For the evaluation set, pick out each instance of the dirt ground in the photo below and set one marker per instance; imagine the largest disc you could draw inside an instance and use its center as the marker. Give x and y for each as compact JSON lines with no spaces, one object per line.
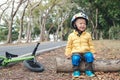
{"x":106,"y":49}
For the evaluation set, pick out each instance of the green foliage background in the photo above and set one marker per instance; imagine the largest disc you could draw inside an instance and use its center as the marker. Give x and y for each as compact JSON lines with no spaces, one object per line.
{"x":108,"y":18}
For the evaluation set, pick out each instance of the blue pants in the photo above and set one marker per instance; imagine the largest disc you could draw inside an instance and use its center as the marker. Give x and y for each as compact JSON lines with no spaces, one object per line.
{"x":86,"y":57}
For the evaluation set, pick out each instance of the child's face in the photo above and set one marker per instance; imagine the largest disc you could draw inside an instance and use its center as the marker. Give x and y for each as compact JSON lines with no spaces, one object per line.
{"x":80,"y":24}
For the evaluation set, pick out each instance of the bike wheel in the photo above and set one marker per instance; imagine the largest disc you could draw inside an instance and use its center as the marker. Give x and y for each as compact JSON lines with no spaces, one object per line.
{"x":33,"y":65}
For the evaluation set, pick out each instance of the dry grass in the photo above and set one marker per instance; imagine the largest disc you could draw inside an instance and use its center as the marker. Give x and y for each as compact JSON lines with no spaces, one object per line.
{"x":106,"y":48}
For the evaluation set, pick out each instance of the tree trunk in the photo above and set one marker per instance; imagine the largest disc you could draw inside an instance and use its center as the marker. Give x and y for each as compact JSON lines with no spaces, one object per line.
{"x":64,"y":65}
{"x":21,"y":24}
{"x":9,"y":37}
{"x":42,"y":30}
{"x":28,"y":36}
{"x":12,"y":15}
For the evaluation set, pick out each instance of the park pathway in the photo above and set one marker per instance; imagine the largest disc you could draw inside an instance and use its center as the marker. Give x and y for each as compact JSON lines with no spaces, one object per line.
{"x":27,"y":49}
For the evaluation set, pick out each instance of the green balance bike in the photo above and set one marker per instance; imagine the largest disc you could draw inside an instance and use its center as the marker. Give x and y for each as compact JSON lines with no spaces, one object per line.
{"x":29,"y":61}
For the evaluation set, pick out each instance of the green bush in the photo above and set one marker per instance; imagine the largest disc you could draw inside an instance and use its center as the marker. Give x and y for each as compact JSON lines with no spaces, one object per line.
{"x":114,"y":32}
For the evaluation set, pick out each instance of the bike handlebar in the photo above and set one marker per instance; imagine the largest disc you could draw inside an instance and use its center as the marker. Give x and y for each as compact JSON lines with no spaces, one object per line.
{"x":35,"y":49}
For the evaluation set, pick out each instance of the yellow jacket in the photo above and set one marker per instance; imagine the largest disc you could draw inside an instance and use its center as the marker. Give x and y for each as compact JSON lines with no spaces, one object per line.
{"x":80,"y":44}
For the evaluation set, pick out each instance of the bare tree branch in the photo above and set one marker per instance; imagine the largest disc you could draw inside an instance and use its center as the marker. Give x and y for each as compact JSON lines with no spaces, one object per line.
{"x":17,"y":7}
{"x":3,"y":10}
{"x":36,"y":5}
{"x":3,"y":3}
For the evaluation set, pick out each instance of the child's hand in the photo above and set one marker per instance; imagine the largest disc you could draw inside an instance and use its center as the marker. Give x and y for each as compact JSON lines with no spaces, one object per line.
{"x":96,"y":56}
{"x":68,"y":57}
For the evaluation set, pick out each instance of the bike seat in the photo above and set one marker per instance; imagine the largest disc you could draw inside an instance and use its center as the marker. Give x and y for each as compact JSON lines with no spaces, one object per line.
{"x":9,"y":55}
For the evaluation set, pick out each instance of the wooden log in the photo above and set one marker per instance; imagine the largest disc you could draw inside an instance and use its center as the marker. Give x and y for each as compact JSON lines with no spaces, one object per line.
{"x":108,"y":65}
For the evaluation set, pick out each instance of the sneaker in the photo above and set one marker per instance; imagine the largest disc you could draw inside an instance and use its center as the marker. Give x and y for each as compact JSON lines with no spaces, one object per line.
{"x":76,"y":74}
{"x":89,"y":73}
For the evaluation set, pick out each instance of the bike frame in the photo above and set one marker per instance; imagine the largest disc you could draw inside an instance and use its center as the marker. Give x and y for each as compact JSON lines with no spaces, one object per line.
{"x":5,"y":61}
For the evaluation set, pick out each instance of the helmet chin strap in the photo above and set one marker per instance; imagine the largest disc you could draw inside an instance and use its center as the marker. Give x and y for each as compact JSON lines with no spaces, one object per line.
{"x":79,"y":32}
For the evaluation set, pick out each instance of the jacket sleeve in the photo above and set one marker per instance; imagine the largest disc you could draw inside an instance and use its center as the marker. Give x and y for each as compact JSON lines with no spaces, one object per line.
{"x":92,"y":49}
{"x":68,"y":47}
